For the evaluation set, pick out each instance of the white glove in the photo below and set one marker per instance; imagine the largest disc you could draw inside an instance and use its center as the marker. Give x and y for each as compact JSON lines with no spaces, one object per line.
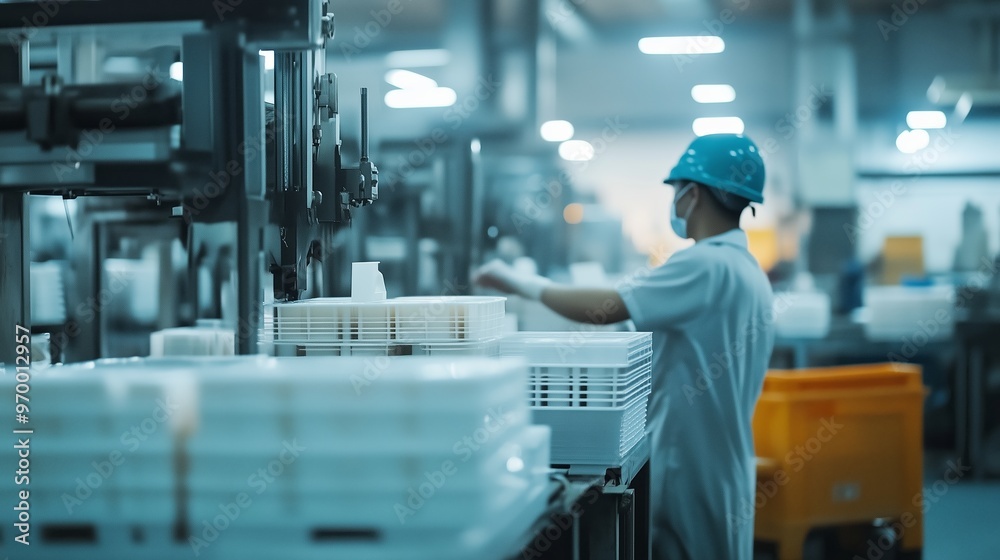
{"x":500,"y":276}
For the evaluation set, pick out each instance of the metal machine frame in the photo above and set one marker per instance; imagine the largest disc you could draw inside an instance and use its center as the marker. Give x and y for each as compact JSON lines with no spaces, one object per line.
{"x":202,"y":148}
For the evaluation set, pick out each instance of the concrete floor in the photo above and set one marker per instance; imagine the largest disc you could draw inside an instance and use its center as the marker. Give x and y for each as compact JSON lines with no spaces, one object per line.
{"x":964,"y":523}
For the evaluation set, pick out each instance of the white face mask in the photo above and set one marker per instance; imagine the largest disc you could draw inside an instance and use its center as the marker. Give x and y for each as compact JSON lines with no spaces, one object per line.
{"x":678,"y":224}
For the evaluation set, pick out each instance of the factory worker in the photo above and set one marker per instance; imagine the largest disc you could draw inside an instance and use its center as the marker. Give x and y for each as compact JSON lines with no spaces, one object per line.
{"x":708,"y":308}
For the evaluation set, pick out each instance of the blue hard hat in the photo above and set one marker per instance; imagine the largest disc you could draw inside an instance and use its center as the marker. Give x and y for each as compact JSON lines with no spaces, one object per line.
{"x":728,"y":162}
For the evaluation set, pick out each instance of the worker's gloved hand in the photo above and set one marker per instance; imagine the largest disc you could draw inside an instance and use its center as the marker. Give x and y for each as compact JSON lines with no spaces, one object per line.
{"x":501,"y":276}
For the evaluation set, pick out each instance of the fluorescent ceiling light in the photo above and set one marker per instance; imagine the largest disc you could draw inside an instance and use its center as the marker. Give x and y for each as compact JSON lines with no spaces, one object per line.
{"x":177,"y":71}
{"x":405,"y":79}
{"x":926,"y":119}
{"x":417,"y":98}
{"x":912,"y":141}
{"x":418,"y":58}
{"x":557,"y":131}
{"x":576,"y":150}
{"x":700,"y":44}
{"x":713,"y":93}
{"x":717,"y":125}
{"x":268,"y":59}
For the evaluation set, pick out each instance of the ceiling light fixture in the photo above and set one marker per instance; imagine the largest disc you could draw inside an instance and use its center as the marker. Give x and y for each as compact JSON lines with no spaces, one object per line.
{"x":717,"y":125}
{"x":699,"y":44}
{"x":419,"y":98}
{"x":406,"y":79}
{"x":713,"y":93}
{"x":557,"y":131}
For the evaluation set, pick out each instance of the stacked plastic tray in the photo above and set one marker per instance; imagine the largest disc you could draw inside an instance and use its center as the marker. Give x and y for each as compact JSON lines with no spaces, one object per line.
{"x":366,"y":458}
{"x":256,"y":457}
{"x":201,"y":340}
{"x":590,"y":388}
{"x":898,"y":313}
{"x":411,"y":326}
{"x":102,"y":459}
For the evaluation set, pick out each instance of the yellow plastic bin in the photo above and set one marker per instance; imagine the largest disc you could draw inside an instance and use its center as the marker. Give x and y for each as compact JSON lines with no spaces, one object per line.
{"x":839,"y":446}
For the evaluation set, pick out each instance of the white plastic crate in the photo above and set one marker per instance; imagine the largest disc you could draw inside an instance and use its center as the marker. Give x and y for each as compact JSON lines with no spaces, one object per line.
{"x":412,"y":319}
{"x":425,"y":431}
{"x":609,"y":436}
{"x":282,"y":538}
{"x":148,"y":501}
{"x":802,"y":315}
{"x":384,"y":385}
{"x":49,"y":504}
{"x":67,"y":468}
{"x":434,"y":398}
{"x":374,"y":507}
{"x":192,"y":341}
{"x":357,"y":403}
{"x":426,"y":319}
{"x":107,"y":540}
{"x":319,"y":488}
{"x":346,"y":470}
{"x":481,"y":521}
{"x":65,"y":392}
{"x":584,"y":370}
{"x":588,"y":349}
{"x":103,"y":402}
{"x":590,"y":388}
{"x":905,"y":312}
{"x":107,"y":399}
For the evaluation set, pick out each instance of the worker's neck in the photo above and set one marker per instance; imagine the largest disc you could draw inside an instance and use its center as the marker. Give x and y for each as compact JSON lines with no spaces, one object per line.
{"x":712,"y":227}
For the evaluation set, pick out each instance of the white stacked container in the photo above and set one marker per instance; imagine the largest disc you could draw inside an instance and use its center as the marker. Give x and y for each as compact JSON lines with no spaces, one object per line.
{"x":906,"y":313}
{"x":257,"y":457}
{"x":103,"y":474}
{"x":207,"y":338}
{"x":417,"y":326}
{"x":590,"y":388}
{"x":802,"y":315}
{"x":365,"y":458}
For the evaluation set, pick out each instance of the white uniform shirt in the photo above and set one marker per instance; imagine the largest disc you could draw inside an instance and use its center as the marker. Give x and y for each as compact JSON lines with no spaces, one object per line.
{"x":710,"y":310}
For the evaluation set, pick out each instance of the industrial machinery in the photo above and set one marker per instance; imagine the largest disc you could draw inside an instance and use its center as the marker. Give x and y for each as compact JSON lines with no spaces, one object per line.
{"x":189,"y":148}
{"x":193,"y":140}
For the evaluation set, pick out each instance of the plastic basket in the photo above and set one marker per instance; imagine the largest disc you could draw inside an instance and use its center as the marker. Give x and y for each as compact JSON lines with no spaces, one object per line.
{"x":192,"y":341}
{"x":416,"y":319}
{"x":590,"y":388}
{"x":608,"y":437}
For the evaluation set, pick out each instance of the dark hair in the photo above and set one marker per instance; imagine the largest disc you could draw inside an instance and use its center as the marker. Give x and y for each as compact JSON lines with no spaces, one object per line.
{"x":729,"y":204}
